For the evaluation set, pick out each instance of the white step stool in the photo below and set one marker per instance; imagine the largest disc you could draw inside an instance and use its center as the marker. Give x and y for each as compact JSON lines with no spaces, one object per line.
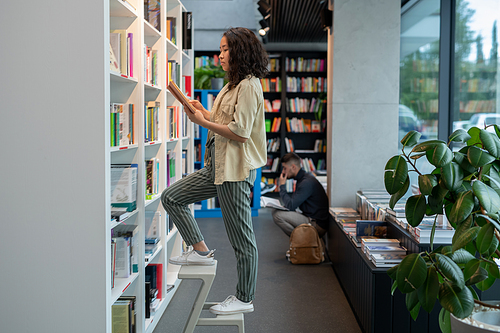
{"x":207,"y":275}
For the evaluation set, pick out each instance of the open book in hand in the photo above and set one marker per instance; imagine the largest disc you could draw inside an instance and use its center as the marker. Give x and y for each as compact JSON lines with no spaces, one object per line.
{"x":174,"y":89}
{"x":271,"y":203}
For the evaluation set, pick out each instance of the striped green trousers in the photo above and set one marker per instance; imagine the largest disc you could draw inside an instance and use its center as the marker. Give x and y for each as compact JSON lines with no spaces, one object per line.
{"x":234,"y":199}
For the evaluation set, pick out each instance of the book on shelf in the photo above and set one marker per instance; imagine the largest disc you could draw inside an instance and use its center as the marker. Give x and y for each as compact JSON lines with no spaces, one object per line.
{"x":124,"y":186}
{"x":152,"y":226}
{"x":158,"y":268}
{"x":122,"y":257}
{"x":121,"y":317}
{"x":304,"y":65}
{"x":152,"y":168}
{"x":271,"y":203}
{"x":187,"y":30}
{"x":172,"y":29}
{"x":379,"y":249}
{"x":130,"y":232}
{"x":114,"y":66}
{"x":152,"y":13}
{"x":119,"y":213}
{"x":177,"y":93}
{"x":113,"y":262}
{"x":371,"y":228}
{"x":151,"y":121}
{"x":122,"y":124}
{"x":386,"y":259}
{"x":131,"y":300}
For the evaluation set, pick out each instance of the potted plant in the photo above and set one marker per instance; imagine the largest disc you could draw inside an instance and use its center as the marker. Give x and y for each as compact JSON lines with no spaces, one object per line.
{"x":209,"y":77}
{"x":465,"y":186}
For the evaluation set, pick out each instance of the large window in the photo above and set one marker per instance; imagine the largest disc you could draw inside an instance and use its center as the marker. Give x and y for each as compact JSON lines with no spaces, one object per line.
{"x":476,"y":80}
{"x":419,"y":69}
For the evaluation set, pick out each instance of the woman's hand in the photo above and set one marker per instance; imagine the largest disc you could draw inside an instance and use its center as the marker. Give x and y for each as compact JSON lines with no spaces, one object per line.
{"x":198,"y":106}
{"x":197,"y":117}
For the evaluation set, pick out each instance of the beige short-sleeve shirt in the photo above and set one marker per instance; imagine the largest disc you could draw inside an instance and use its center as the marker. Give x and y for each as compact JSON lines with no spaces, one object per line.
{"x":242,"y":110}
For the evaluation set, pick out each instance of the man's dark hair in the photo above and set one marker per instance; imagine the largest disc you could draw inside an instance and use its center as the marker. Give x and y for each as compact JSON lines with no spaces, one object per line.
{"x":247,"y":56}
{"x":291,"y":158}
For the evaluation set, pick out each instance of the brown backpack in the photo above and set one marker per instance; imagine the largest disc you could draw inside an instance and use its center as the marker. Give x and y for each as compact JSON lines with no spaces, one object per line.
{"x":305,"y":246}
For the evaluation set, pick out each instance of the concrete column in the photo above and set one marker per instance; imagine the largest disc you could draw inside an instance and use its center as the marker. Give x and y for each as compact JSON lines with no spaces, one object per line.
{"x":363,"y":60}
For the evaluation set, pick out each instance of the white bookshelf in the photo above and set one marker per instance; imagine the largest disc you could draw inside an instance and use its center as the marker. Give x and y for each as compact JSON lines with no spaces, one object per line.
{"x":55,"y":130}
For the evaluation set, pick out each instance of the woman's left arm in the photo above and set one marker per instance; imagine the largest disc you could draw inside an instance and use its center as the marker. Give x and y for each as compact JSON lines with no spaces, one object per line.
{"x":198,"y":118}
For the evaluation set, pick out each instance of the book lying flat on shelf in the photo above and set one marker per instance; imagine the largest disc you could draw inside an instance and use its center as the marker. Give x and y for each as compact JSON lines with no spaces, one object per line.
{"x":174,"y":89}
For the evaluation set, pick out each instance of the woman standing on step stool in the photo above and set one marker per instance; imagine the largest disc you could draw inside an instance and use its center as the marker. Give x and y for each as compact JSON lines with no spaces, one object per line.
{"x":235,"y":148}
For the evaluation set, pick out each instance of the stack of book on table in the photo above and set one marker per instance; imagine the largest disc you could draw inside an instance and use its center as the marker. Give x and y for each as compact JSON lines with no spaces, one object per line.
{"x":346,"y":218}
{"x":383,"y":252}
{"x":443,"y":234}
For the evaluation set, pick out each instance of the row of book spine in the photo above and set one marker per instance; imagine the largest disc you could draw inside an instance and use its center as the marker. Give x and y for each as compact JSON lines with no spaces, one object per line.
{"x":476,"y":106}
{"x":271,"y":84}
{"x":305,"y":65}
{"x":273,"y":145}
{"x":306,"y":84}
{"x":304,"y":105}
{"x":273,"y":106}
{"x":319,"y":147}
{"x":122,"y":123}
{"x":274,"y":125}
{"x":121,"y":51}
{"x":151,"y":65}
{"x":302,"y":125}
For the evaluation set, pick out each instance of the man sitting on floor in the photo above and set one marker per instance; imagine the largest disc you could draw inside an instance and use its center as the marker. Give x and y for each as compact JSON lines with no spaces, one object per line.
{"x":309,"y":196}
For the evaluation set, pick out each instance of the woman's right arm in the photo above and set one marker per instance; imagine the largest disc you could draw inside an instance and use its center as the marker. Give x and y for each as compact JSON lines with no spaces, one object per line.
{"x":198,"y":106}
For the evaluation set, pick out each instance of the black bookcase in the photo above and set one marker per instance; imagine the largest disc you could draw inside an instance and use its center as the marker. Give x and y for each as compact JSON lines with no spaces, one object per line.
{"x":368,"y":288}
{"x":303,"y":142}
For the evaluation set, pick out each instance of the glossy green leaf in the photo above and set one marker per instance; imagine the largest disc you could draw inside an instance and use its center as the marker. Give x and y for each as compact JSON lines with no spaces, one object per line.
{"x":452,"y":176}
{"x":471,"y":268}
{"x":428,"y":292}
{"x":411,"y":273}
{"x":473,"y":292}
{"x":490,"y":142}
{"x":459,"y":135}
{"x":461,"y":256}
{"x":493,"y":178}
{"x":411,"y":138}
{"x":486,"y":283}
{"x":444,"y":321}
{"x":426,"y":183}
{"x":415,"y":311}
{"x":497,"y":130}
{"x":493,"y":247}
{"x":396,"y":173}
{"x":411,"y":300}
{"x":493,"y":270}
{"x":427,"y":145}
{"x":489,"y":199}
{"x":415,"y":209}
{"x":459,"y":302}
{"x":483,"y":219}
{"x":394,"y":287}
{"x":478,"y":276}
{"x":440,"y":155}
{"x":474,"y":133}
{"x":485,"y":238}
{"x":393,"y":272}
{"x":417,"y":156}
{"x":465,"y":238}
{"x":451,"y":270}
{"x":463,"y":161}
{"x":478,"y":157}
{"x":399,"y":194}
{"x":462,"y":227}
{"x":462,"y":208}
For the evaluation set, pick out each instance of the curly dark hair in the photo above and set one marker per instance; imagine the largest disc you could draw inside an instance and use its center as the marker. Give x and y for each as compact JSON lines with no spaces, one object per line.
{"x":247,"y":56}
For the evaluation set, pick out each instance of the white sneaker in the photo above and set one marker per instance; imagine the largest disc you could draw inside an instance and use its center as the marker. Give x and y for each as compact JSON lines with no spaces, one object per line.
{"x":193,"y":258}
{"x":231,"y":305}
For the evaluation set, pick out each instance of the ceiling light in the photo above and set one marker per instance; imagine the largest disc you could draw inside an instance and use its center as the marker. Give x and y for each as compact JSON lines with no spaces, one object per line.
{"x":264,"y":27}
{"x":264,"y":9}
